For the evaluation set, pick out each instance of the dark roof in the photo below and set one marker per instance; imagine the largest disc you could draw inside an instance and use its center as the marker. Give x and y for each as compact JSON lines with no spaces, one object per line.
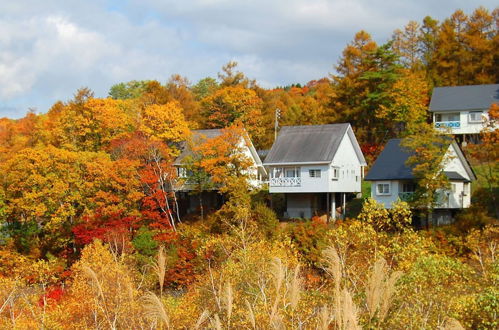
{"x":390,"y":164}
{"x":309,"y":143}
{"x":454,"y":176}
{"x":474,"y":97}
{"x":198,"y":136}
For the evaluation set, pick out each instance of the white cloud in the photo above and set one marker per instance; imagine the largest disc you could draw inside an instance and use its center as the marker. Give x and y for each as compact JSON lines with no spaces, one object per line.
{"x":50,"y":48}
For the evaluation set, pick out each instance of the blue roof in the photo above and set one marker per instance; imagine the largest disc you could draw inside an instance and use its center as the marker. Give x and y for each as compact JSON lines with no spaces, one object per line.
{"x":390,"y":164}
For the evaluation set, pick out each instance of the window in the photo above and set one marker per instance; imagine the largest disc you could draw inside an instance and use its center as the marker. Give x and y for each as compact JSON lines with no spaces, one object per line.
{"x":285,"y":172}
{"x":314,"y":173}
{"x":408,"y":187}
{"x":438,"y":117}
{"x":292,"y":172}
{"x":452,"y":117}
{"x":453,"y":187}
{"x":383,"y":189}
{"x":335,"y":173}
{"x":181,"y":172}
{"x":475,"y":117}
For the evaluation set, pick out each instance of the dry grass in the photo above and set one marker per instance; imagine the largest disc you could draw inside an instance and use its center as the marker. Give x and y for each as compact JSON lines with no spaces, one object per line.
{"x":160,"y":268}
{"x":202,"y":319}
{"x":380,"y":289}
{"x":154,"y":308}
{"x":295,"y":288}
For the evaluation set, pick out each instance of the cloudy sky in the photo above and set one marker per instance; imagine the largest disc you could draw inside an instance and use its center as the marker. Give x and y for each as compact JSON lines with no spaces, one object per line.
{"x":50,"y":48}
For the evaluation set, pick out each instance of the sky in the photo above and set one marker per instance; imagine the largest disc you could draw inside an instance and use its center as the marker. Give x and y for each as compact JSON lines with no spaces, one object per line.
{"x":50,"y":48}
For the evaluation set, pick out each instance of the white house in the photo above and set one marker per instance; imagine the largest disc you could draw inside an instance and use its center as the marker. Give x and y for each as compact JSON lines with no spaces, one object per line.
{"x":315,"y":166}
{"x":257,"y":172}
{"x":462,"y":110}
{"x":391,"y":179}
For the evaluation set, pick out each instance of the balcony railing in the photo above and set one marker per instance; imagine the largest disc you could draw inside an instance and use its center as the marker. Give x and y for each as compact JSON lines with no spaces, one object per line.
{"x":450,"y":124}
{"x":406,"y":196}
{"x":285,"y":182}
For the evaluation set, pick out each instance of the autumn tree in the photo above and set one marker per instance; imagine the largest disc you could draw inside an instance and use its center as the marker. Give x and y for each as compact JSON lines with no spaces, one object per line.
{"x":487,"y":155}
{"x":89,"y":124}
{"x":230,"y":77}
{"x":48,"y":189}
{"x":406,"y":45}
{"x":407,"y":107}
{"x":158,"y":178}
{"x":164,"y":123}
{"x":234,"y":104}
{"x":180,"y":90}
{"x":428,"y":158}
{"x":223,"y":159}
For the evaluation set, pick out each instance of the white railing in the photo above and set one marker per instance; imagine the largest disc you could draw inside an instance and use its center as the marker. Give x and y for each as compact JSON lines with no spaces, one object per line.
{"x":285,"y":182}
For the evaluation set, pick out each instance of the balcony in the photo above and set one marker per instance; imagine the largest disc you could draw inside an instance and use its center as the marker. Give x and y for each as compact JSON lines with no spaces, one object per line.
{"x":449,"y":124}
{"x":406,"y":196}
{"x":285,"y":182}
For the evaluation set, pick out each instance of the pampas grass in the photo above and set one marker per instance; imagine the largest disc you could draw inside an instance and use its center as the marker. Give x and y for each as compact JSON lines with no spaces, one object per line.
{"x":160,"y":268}
{"x":155,"y":309}
{"x":380,"y":289}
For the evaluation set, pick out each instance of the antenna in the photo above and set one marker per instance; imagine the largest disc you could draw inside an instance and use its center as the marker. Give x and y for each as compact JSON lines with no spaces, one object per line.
{"x":276,"y":122}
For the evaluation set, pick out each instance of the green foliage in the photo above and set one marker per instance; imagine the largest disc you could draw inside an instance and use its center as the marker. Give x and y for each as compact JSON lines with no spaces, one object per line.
{"x":144,"y":243}
{"x":129,"y":90}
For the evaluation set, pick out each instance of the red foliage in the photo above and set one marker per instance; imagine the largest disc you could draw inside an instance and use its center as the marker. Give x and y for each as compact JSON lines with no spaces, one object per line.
{"x":184,"y":271}
{"x":52,"y":296}
{"x":104,"y":227}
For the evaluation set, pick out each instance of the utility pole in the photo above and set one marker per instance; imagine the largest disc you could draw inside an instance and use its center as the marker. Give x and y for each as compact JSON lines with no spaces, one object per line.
{"x":276,"y":121}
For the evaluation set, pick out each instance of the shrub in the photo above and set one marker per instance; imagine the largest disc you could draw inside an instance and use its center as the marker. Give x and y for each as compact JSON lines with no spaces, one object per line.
{"x":265,"y":219}
{"x":398,"y":218}
{"x":144,"y":242}
{"x":310,"y":239}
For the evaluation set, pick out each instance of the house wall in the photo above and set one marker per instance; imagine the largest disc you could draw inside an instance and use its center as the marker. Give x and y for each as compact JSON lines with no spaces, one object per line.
{"x":459,"y":196}
{"x":308,"y":184}
{"x":350,"y":170}
{"x":386,"y":200}
{"x":253,"y":171}
{"x":466,"y":127}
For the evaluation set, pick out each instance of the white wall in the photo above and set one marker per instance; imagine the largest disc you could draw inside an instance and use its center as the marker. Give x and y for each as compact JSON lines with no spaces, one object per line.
{"x":456,"y":198}
{"x":386,"y":200}
{"x":346,"y":160}
{"x":466,"y":127}
{"x":308,"y":184}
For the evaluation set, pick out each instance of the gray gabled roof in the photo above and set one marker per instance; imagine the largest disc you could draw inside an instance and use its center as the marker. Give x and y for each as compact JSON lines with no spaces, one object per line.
{"x":309,"y":144}
{"x":391,"y":164}
{"x":457,"y":98}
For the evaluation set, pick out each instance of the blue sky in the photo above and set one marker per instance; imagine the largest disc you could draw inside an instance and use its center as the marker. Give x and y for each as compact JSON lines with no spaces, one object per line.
{"x":49,"y":49}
